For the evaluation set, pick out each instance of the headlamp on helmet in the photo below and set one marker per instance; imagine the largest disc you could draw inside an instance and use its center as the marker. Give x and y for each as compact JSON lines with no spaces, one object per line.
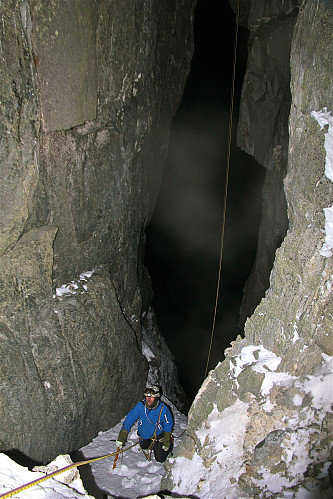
{"x":152,"y":391}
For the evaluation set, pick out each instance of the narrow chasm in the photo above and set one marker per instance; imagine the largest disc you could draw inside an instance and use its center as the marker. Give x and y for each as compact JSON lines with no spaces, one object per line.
{"x":184,"y":236}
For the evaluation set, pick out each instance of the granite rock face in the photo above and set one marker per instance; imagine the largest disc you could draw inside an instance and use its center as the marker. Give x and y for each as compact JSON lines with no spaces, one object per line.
{"x":88,"y":89}
{"x":261,"y":424}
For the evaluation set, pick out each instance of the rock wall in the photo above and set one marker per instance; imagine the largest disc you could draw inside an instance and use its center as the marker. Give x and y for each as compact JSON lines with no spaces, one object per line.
{"x":88,"y":89}
{"x":263,"y":128}
{"x":261,"y":424}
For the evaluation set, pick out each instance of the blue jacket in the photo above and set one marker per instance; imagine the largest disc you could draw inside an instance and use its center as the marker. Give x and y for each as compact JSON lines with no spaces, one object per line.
{"x":149,"y":419}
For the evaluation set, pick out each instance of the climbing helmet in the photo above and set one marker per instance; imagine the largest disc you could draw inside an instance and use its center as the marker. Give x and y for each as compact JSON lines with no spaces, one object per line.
{"x":152,"y":391}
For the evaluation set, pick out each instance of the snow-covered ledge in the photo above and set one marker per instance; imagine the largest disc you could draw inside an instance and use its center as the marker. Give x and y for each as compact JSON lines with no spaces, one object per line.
{"x":66,"y":485}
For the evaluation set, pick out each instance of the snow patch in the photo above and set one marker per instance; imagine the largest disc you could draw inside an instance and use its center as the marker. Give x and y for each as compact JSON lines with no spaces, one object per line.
{"x":321,"y":386}
{"x":327,"y":248}
{"x":262,"y":360}
{"x":75,"y":287}
{"x":281,"y":378}
{"x":296,"y":335}
{"x":13,"y":475}
{"x":223,"y":437}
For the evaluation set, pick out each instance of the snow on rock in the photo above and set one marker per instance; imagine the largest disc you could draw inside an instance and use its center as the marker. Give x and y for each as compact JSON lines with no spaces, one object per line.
{"x":262,"y":433}
{"x":325,"y":118}
{"x":217,"y":467}
{"x":74,"y":287}
{"x":257,"y":431}
{"x":59,"y":462}
{"x":66,"y":485}
{"x":259,"y":357}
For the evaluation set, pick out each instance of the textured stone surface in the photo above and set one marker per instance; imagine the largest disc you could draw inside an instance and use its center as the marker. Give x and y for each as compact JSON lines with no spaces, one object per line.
{"x":276,"y":441}
{"x":302,"y":276}
{"x":19,"y":125}
{"x":68,"y":371}
{"x":88,"y":90}
{"x":250,"y":382}
{"x":263,"y":130}
{"x":162,"y":367}
{"x":64,"y":50}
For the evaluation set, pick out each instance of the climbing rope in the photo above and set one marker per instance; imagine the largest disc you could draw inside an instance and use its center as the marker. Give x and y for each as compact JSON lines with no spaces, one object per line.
{"x":61,"y":470}
{"x":147,"y":452}
{"x":225,"y":185}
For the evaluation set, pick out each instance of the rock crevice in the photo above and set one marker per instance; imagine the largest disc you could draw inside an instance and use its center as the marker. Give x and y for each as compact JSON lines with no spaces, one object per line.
{"x":264,"y":415}
{"x":88,"y":90}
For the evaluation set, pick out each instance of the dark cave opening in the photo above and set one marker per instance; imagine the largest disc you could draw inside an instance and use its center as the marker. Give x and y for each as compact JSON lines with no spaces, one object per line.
{"x":184,"y":235}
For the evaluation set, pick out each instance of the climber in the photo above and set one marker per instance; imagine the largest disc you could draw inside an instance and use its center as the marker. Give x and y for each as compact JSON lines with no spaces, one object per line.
{"x":155,"y":423}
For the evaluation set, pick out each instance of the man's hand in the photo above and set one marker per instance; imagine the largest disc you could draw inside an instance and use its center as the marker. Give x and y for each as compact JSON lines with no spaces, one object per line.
{"x":122,"y":437}
{"x":166,"y":441}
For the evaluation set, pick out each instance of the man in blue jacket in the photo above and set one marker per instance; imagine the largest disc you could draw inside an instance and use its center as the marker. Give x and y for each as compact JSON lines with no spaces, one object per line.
{"x":155,"y":423}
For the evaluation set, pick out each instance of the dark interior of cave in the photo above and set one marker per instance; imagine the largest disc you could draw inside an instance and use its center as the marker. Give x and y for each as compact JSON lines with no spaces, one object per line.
{"x":184,"y":236}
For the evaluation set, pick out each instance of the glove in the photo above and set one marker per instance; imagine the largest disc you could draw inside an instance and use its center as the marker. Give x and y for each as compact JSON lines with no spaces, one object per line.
{"x":122,"y":437}
{"x":166,"y":441}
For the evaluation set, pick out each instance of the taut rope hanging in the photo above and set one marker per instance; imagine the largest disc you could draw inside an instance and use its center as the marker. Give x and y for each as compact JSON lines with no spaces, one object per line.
{"x":225,"y":186}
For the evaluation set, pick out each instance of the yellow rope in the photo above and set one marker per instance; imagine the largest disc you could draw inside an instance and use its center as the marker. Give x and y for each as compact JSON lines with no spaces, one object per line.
{"x":225,"y":186}
{"x":58,"y":472}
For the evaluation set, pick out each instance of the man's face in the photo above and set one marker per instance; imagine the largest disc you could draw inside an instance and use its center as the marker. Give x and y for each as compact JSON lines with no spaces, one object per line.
{"x":150,"y":401}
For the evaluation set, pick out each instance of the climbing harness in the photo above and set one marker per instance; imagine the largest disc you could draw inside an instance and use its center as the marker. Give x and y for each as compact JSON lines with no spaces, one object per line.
{"x":147,"y":452}
{"x":58,"y":472}
{"x":226,"y":185}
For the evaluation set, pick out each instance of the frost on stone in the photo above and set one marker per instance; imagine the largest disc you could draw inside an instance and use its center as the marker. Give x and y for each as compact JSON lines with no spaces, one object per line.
{"x":325,"y":118}
{"x":296,"y":335}
{"x":261,"y":359}
{"x":75,"y":287}
{"x":327,"y":248}
{"x":221,"y":439}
